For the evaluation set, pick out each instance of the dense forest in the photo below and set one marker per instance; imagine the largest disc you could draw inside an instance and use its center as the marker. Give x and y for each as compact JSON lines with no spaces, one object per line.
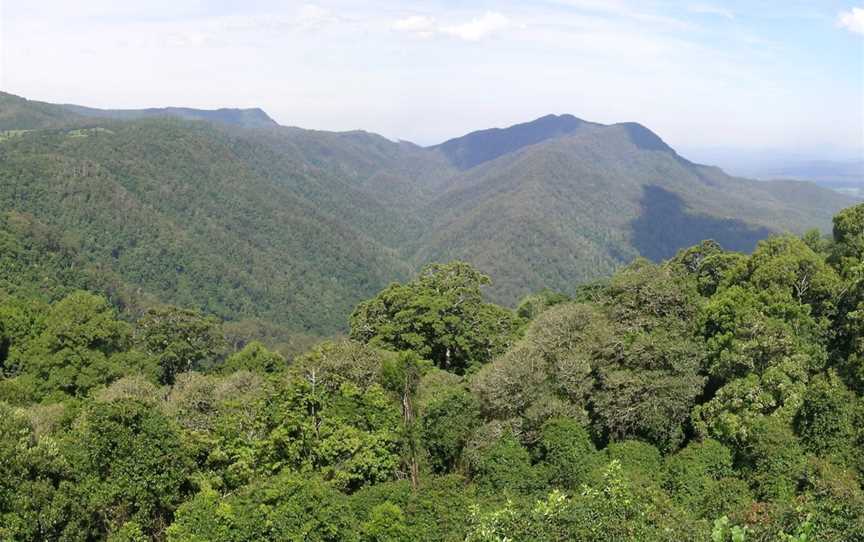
{"x":264,"y":225}
{"x":713,"y":396}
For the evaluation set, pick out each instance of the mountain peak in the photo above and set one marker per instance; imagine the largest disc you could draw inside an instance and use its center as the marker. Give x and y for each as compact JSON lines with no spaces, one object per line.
{"x":477,"y":147}
{"x":644,"y":138}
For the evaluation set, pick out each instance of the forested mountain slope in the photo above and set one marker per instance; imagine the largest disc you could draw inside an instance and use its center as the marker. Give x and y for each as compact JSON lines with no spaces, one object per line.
{"x":227,"y":212}
{"x":477,"y":147}
{"x":581,"y":204}
{"x":246,"y":118}
{"x":175,"y":209}
{"x":714,"y":396}
{"x":18,"y":113}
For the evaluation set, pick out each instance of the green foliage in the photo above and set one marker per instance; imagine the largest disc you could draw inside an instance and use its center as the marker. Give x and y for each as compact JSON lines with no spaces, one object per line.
{"x":254,"y":357}
{"x":786,"y":263}
{"x":566,"y":452}
{"x":503,"y":464}
{"x":284,"y":507}
{"x":766,"y":335}
{"x":723,"y":531}
{"x":386,"y":523}
{"x":129,"y":532}
{"x":533,"y":305}
{"x":629,"y":362}
{"x":446,"y":425}
{"x":131,"y":464}
{"x":640,"y":460}
{"x":334,"y":363}
{"x":848,"y":259}
{"x":773,"y":459}
{"x":710,"y":386}
{"x":440,"y":315}
{"x":648,"y":371}
{"x":702,"y":478}
{"x":608,"y":512}
{"x":849,"y":236}
{"x":181,"y":339}
{"x":77,"y":347}
{"x":749,"y":332}
{"x":828,"y":417}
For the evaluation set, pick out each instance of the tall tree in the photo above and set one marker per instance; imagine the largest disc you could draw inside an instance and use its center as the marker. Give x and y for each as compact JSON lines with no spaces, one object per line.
{"x":182,"y":339}
{"x":440,"y":315}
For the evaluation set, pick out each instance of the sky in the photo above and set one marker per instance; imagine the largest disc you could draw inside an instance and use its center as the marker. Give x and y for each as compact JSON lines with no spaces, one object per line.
{"x":736,"y":74}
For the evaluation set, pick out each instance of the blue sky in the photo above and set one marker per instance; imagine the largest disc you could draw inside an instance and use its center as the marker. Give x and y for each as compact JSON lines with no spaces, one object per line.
{"x":745,"y":74}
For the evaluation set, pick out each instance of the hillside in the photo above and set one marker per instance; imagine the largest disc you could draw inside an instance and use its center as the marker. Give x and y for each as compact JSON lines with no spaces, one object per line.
{"x":575,"y":207}
{"x":713,"y":396}
{"x":245,"y":118}
{"x":180,"y":211}
{"x":243,"y":218}
{"x":477,"y":147}
{"x":18,"y":113}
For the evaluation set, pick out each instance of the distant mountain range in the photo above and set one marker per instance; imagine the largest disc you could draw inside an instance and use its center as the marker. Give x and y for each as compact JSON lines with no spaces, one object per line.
{"x":237,"y":215}
{"x":246,"y":118}
{"x":841,"y":170}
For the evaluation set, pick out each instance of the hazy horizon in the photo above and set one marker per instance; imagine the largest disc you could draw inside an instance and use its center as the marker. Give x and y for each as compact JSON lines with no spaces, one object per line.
{"x":784,"y":76}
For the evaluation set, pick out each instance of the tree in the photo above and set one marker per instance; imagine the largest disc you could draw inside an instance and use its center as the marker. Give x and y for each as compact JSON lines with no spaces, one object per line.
{"x":566,"y":452}
{"x":610,"y":511}
{"x":130,"y":465}
{"x":446,"y":425}
{"x":182,"y":340}
{"x":749,"y":331}
{"x":440,"y":315}
{"x":848,"y":237}
{"x":773,"y":459}
{"x":401,"y":375}
{"x":503,"y":464}
{"x":532,"y":306}
{"x":701,"y":477}
{"x":333,"y":363}
{"x":827,"y":419}
{"x":848,"y":259}
{"x":762,"y":348}
{"x":288,"y":506}
{"x":255,"y":357}
{"x":786,"y":263}
{"x":647,"y":366}
{"x":349,"y":434}
{"x":386,"y":523}
{"x":76,"y":349}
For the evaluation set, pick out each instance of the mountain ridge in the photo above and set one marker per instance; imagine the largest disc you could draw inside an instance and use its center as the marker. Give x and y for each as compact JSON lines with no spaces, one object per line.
{"x":295,"y":226}
{"x":254,"y":117}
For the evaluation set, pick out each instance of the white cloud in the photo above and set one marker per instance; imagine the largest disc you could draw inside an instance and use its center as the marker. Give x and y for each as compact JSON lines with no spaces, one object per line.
{"x":417,"y":24}
{"x":311,"y":16}
{"x":474,"y":30}
{"x":307,"y":62}
{"x":708,"y":9}
{"x":624,"y":10}
{"x":480,"y":27}
{"x":852,"y":20}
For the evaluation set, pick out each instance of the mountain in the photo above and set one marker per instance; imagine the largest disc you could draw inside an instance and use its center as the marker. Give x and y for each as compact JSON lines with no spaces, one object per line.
{"x":196,"y":215}
{"x":246,"y":219}
{"x":843,"y":176}
{"x":17,"y":113}
{"x":477,"y":147}
{"x":245,"y":118}
{"x":581,"y":204}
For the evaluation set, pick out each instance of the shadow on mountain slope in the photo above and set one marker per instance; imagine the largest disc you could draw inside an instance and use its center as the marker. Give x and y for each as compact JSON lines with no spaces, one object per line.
{"x":664,"y":227}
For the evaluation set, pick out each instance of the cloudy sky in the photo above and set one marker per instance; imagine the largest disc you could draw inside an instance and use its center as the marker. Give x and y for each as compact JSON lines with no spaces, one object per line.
{"x":750,"y":74}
